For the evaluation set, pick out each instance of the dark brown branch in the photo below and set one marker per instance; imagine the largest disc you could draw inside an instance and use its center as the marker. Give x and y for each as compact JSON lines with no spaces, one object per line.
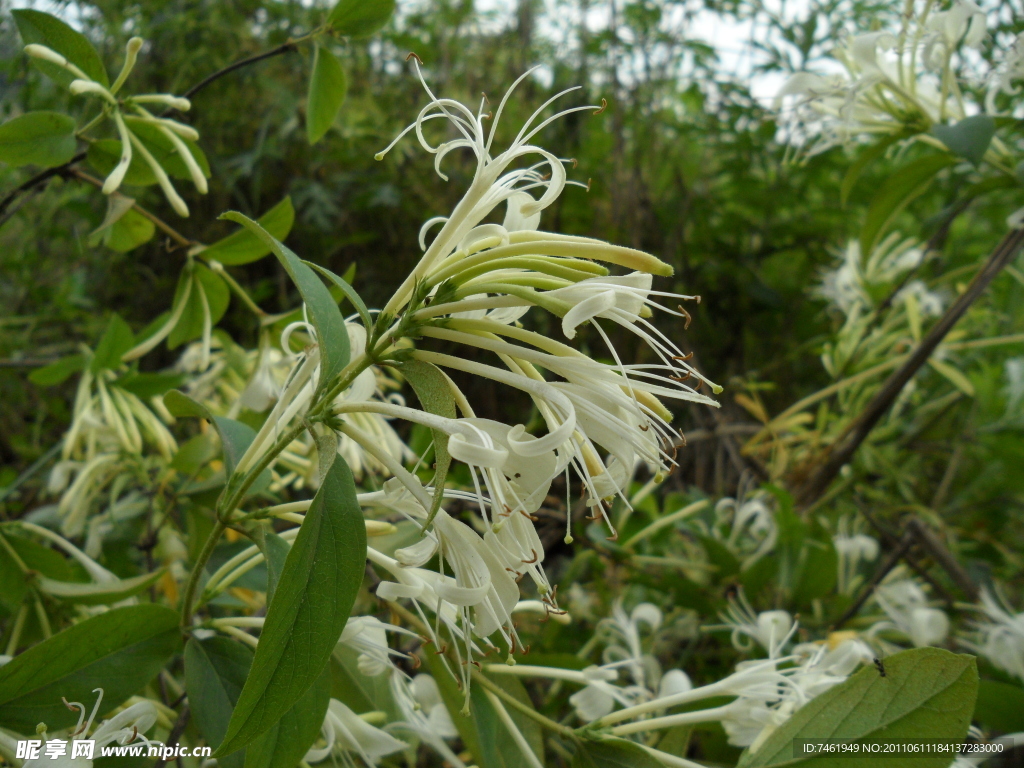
{"x":842,"y":450}
{"x":175,"y":734}
{"x":37,"y":180}
{"x":941,"y":555}
{"x":890,"y":562}
{"x":283,"y":48}
{"x":892,"y":540}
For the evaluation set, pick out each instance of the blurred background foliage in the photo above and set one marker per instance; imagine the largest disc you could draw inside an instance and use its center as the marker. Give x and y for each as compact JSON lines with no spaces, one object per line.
{"x":687,"y":162}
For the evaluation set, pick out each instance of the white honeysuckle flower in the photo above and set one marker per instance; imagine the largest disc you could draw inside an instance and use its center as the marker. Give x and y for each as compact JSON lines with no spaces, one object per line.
{"x":852,"y":547}
{"x":772,"y":630}
{"x":963,"y":21}
{"x":367,"y":636}
{"x":891,"y":82}
{"x":344,"y":731}
{"x":474,"y":280}
{"x":1010,"y":69}
{"x":905,"y":604}
{"x":746,"y":526}
{"x":1000,"y":637}
{"x":123,"y":728}
{"x":929,"y":303}
{"x":424,"y":714}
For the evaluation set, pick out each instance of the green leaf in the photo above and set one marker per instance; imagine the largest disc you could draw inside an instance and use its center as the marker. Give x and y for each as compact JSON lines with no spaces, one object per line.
{"x":129,"y":232}
{"x":360,"y":18}
{"x":969,"y":138}
{"x":953,"y":375}
{"x":120,"y":651}
{"x":182,"y":406}
{"x":117,"y":339}
{"x":330,"y":327}
{"x":1000,"y":706}
{"x":435,"y":395}
{"x":327,"y":86}
{"x":359,"y":692}
{"x":311,"y":604}
{"x":275,"y":552}
{"x":97,"y":594}
{"x":498,"y":748}
{"x":104,"y":155}
{"x":453,"y":698}
{"x":205,"y":282}
{"x":612,"y":753}
{"x":58,"y":371}
{"x":895,"y":194}
{"x":164,"y":151}
{"x":242,"y":246}
{"x":864,"y":159}
{"x":42,"y":28}
{"x":235,"y":437}
{"x":926,"y":693}
{"x":147,"y":385}
{"x":46,"y":139}
{"x":344,"y":284}
{"x":215,"y":672}
{"x":287,"y":742}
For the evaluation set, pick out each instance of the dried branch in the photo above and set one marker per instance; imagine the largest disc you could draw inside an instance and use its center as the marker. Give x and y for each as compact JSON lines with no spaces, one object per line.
{"x":841,"y":451}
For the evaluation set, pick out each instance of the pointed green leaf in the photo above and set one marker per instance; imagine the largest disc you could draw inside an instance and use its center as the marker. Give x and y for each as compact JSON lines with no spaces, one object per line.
{"x":218,"y":296}
{"x":235,"y":437}
{"x":435,"y":395}
{"x":612,"y":753}
{"x":243,"y":246}
{"x":97,"y":594}
{"x":44,"y":29}
{"x":117,"y":339}
{"x":498,"y":748}
{"x":58,"y":371}
{"x":360,"y":18}
{"x":322,"y":573}
{"x":327,"y":86}
{"x":332,"y":334}
{"x":129,"y":232}
{"x":284,"y":745}
{"x":119,"y":651}
{"x":46,"y":139}
{"x":1000,"y":706}
{"x":969,"y":138}
{"x":864,"y":159}
{"x":927,"y":693}
{"x":895,"y":194}
{"x":147,"y":385}
{"x":344,"y":284}
{"x":215,"y":672}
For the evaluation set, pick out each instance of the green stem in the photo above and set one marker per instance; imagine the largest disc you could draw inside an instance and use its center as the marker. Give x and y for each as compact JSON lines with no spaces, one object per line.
{"x":525,"y":709}
{"x":226,"y":508}
{"x":239,"y":291}
{"x":193,"y":579}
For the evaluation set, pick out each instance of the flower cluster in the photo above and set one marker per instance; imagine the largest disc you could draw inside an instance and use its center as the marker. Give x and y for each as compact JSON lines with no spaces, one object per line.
{"x":140,"y":132}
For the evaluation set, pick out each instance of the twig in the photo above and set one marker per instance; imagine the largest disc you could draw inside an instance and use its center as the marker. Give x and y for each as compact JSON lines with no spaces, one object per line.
{"x":175,"y":734}
{"x":288,"y":47}
{"x":39,"y":178}
{"x":162,"y":225}
{"x":840,"y":452}
{"x":890,"y":562}
{"x":891,"y":540}
{"x":941,"y":555}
